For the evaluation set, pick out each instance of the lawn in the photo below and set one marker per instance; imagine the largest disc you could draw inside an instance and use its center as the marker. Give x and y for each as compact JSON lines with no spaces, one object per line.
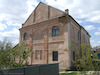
{"x":73,"y":73}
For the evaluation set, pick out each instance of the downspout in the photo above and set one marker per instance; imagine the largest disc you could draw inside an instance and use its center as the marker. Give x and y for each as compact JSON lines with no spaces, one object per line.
{"x":80,"y":34}
{"x":47,"y":47}
{"x":69,"y":41}
{"x":69,"y":49}
{"x":47,"y":36}
{"x":32,"y":47}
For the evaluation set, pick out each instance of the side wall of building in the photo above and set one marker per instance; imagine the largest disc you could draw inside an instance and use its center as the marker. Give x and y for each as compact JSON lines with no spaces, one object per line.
{"x":43,"y":44}
{"x":78,"y":35}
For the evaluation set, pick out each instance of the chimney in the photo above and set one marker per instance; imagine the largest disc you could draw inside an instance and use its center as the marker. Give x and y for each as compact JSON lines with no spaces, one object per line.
{"x":67,"y":11}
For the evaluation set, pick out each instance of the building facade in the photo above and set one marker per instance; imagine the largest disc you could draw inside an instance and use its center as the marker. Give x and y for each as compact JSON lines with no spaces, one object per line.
{"x":48,"y":32}
{"x":96,"y":52}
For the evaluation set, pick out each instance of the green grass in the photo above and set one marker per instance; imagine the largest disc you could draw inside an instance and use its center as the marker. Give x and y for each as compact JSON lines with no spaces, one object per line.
{"x":73,"y":73}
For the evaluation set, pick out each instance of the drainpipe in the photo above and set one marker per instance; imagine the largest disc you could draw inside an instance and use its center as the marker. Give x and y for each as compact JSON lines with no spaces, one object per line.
{"x":80,"y":35}
{"x":32,"y":47}
{"x":67,"y":12}
{"x":47,"y":47}
{"x":47,"y":36}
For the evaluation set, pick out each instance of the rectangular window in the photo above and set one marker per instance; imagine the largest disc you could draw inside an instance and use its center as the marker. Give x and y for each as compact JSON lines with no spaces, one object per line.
{"x":40,"y":54}
{"x":74,"y":55}
{"x":98,"y":55}
{"x":55,"y":55}
{"x":83,"y":38}
{"x":78,"y":35}
{"x":36,"y":54}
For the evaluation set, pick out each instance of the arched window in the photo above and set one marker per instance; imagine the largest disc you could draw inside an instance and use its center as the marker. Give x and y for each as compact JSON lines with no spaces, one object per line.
{"x":25,"y":36}
{"x":55,"y":31}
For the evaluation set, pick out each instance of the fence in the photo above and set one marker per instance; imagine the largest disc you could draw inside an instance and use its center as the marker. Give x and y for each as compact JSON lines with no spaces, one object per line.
{"x":46,"y":69}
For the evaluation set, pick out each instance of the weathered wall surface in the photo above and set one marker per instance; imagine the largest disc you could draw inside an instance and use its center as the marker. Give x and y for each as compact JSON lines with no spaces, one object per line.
{"x":40,"y":40}
{"x":41,"y":13}
{"x":41,"y":36}
{"x":78,"y":35}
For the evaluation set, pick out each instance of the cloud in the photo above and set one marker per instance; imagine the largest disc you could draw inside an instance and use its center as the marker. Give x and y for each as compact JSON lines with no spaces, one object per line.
{"x":12,"y":35}
{"x":98,"y":41}
{"x":31,"y":5}
{"x":83,"y":9}
{"x":99,"y":28}
{"x":16,"y":11}
{"x":93,"y":44}
{"x":89,"y":27}
{"x":2,"y":26}
{"x":92,"y":41}
{"x":9,"y":23}
{"x":79,"y":21}
{"x":97,"y":33}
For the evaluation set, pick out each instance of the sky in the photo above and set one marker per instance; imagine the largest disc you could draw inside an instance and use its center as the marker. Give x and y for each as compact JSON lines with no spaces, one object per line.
{"x":13,"y":13}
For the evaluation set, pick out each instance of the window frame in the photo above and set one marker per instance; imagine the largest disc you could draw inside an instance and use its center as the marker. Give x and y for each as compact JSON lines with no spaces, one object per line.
{"x":55,"y":56}
{"x":55,"y":31}
{"x":25,"y":36}
{"x":36,"y":54}
{"x":74,"y":55}
{"x":84,"y":38}
{"x":40,"y":54}
{"x":78,"y":35}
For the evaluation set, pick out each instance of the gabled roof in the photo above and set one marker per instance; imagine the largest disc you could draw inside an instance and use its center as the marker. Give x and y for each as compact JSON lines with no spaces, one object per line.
{"x":47,"y":9}
{"x":42,"y":10}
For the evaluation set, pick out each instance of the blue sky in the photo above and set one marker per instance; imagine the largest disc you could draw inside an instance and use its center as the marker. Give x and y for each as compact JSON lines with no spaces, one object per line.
{"x":14,"y":12}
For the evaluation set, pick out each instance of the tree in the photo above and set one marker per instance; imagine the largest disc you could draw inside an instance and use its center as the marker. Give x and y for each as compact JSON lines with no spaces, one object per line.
{"x":9,"y":54}
{"x":84,"y":61}
{"x":5,"y":49}
{"x":19,"y":55}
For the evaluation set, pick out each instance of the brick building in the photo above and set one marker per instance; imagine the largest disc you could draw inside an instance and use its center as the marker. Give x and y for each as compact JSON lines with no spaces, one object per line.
{"x":48,"y":32}
{"x":96,"y":51}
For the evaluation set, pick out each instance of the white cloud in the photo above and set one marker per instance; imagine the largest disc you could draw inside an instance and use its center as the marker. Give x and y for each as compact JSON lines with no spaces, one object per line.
{"x":9,"y":23}
{"x":12,"y":35}
{"x":93,"y":44}
{"x":2,"y":26}
{"x":89,"y":27}
{"x":83,"y":9}
{"x":79,"y":21}
{"x":16,"y":11}
{"x":99,"y":28}
{"x":97,"y":33}
{"x":98,"y":41}
{"x":92,"y":41}
{"x":31,"y":5}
